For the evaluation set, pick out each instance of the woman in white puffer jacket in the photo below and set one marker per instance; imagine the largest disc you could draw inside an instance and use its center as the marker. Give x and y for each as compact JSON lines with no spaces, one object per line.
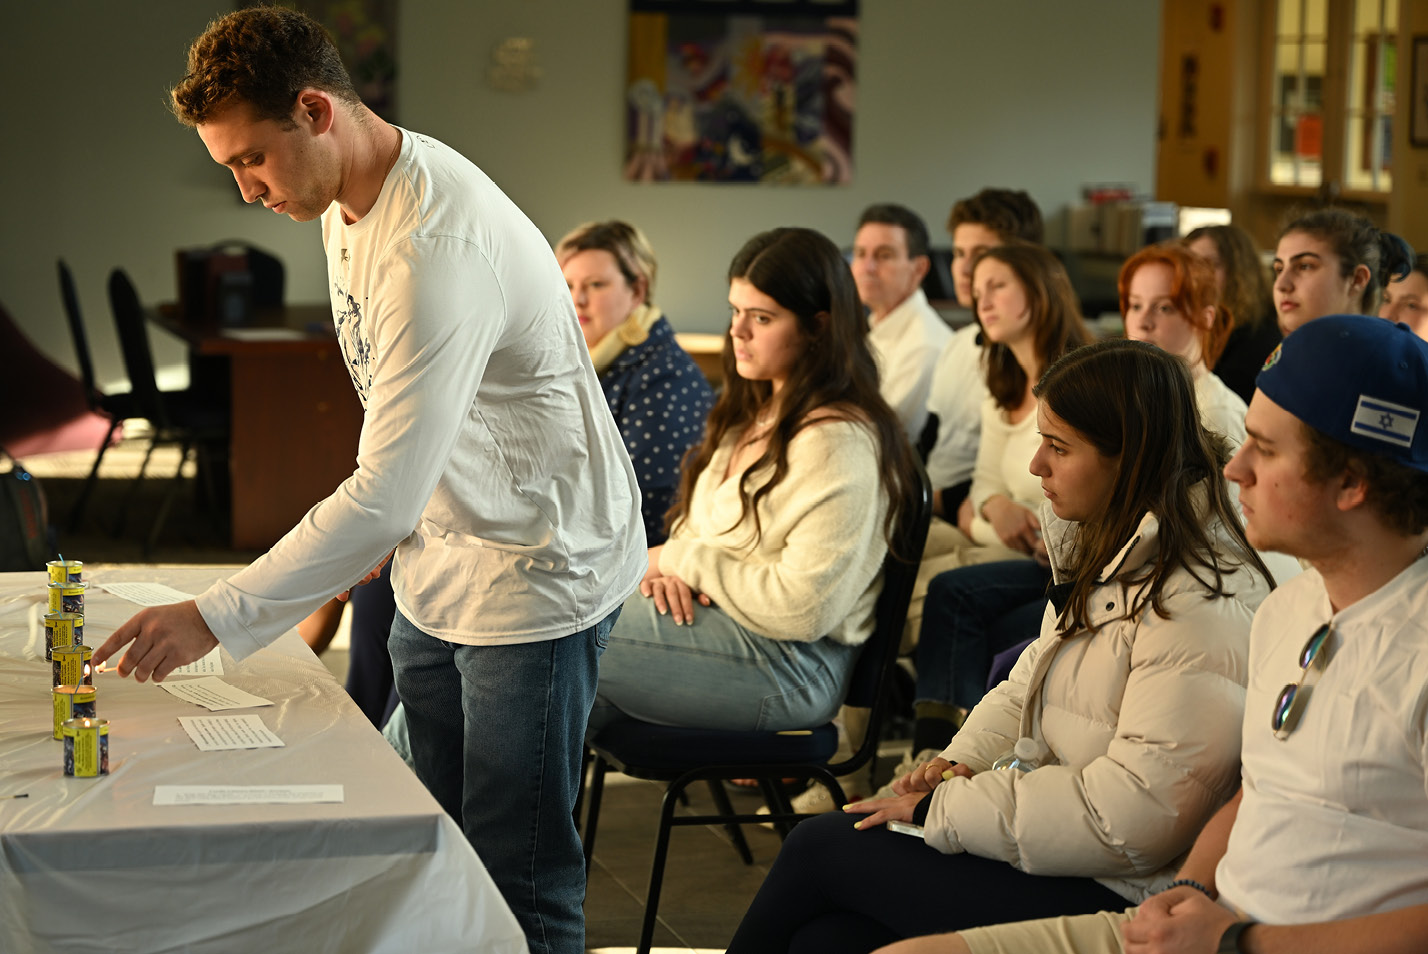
{"x":1131,"y":698}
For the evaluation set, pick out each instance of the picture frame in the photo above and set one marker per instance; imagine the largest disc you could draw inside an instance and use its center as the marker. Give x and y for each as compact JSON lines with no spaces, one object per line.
{"x":1418,"y":91}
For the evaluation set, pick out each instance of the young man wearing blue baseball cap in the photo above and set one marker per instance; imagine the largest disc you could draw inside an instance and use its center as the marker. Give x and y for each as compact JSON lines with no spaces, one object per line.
{"x":1323,"y":849}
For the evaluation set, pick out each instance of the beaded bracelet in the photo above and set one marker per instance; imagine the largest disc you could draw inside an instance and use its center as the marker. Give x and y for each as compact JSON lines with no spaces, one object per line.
{"x":1190,"y":883}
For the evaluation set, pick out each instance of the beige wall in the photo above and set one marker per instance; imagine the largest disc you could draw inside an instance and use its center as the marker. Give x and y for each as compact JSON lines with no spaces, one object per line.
{"x":953,"y":95}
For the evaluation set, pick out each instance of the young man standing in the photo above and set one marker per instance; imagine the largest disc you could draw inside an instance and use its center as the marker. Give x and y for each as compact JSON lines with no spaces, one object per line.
{"x":890,"y":259}
{"x":488,"y":459}
{"x":1323,"y":848}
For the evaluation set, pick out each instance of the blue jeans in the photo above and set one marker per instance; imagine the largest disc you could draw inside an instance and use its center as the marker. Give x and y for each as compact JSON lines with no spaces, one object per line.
{"x":715,"y":674}
{"x":497,"y":736}
{"x":971,"y":614}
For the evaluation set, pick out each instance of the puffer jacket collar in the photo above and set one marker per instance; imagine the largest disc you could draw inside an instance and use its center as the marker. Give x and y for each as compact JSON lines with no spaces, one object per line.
{"x":1112,"y":599}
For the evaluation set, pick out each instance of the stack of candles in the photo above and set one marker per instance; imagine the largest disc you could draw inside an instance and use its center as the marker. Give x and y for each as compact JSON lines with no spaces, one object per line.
{"x":86,"y":737}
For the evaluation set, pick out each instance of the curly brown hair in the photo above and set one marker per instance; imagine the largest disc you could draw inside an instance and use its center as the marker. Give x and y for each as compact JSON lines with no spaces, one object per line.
{"x":263,"y":56}
{"x":1011,"y":214}
{"x":1397,"y":493}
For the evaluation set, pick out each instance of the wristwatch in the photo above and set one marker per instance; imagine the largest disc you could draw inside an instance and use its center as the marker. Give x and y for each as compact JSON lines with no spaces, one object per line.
{"x":1230,"y":940}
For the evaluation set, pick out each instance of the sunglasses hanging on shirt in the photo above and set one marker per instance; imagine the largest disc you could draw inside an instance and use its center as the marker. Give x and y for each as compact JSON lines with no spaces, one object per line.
{"x":1313,"y":659}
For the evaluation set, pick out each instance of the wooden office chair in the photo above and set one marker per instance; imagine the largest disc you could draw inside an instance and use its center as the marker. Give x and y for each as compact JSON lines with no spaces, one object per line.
{"x":682,"y":756}
{"x":177,"y":417}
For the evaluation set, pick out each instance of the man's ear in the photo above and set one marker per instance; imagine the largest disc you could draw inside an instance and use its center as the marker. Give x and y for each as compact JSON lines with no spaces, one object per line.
{"x":920,"y":265}
{"x":1353,"y":488}
{"x":314,"y":110}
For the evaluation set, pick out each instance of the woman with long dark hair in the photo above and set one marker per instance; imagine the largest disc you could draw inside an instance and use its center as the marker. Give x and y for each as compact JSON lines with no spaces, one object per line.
{"x":1124,"y":715}
{"x":1243,"y":284}
{"x":752,"y":613}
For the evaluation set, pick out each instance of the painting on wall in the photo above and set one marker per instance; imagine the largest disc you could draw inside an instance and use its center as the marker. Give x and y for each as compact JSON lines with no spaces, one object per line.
{"x":743,"y":91}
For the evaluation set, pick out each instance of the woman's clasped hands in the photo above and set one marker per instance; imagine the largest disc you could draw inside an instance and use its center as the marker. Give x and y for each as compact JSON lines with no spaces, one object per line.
{"x":672,"y":596}
{"x":908,"y":791}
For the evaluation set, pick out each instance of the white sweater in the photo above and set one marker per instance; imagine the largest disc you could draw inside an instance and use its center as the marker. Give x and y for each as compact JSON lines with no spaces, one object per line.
{"x":1004,"y":467}
{"x":817,"y":568}
{"x":906,"y":344}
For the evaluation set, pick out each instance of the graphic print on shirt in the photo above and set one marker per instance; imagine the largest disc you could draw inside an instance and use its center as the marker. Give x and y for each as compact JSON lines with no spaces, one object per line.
{"x":356,"y":348}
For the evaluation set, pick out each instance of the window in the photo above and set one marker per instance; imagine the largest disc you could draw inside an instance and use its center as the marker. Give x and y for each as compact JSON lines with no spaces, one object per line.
{"x":1373,"y":70}
{"x":1331,"y":95}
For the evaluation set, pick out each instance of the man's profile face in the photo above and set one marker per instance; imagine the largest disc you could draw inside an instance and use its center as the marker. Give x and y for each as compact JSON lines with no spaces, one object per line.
{"x":882,"y":270}
{"x":285,"y":169}
{"x":1283,"y":509}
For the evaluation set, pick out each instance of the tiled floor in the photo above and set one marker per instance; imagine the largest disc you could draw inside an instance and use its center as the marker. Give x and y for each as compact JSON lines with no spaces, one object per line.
{"x":706,"y":886}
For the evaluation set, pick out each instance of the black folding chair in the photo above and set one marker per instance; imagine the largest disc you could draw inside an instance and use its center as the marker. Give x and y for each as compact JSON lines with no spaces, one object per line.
{"x":116,"y":405}
{"x":176,"y":417}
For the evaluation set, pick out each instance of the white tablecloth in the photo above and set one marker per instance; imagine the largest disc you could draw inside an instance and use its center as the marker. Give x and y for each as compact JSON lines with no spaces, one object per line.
{"x":94,"y":865}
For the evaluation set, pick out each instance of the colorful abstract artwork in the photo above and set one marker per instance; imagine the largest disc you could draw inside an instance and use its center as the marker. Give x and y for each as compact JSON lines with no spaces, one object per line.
{"x":751,"y":91}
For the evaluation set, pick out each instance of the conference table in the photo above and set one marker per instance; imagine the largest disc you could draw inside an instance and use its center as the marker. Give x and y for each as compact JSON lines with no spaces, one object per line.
{"x":93,"y":864}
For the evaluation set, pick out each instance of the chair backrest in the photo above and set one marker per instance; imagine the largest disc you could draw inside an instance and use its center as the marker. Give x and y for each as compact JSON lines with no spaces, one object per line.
{"x":76,"y":332}
{"x":873,"y":673}
{"x":134,"y":345}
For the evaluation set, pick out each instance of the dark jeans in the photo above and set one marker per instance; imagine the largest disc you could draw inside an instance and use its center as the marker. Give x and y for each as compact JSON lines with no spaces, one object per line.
{"x":971,"y":614}
{"x":369,"y":662}
{"x":497,"y":735}
{"x":835,"y":890}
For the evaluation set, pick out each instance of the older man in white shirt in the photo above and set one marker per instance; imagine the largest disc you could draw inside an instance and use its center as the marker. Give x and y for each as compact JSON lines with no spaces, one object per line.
{"x":890,"y":259}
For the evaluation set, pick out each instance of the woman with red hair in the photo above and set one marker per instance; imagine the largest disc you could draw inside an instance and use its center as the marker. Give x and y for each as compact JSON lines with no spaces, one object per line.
{"x":1170,"y":299}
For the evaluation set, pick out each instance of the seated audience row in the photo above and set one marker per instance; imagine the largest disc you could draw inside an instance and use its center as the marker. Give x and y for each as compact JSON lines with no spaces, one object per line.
{"x":1128,"y":706}
{"x":1321,"y":849}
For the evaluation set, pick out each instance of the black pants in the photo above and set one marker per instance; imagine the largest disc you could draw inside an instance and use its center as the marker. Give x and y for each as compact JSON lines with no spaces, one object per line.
{"x":369,"y":664}
{"x":835,"y":890}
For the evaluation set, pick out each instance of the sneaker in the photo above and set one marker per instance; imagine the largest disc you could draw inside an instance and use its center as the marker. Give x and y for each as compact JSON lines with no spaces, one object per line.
{"x":815,"y":800}
{"x":909,"y":762}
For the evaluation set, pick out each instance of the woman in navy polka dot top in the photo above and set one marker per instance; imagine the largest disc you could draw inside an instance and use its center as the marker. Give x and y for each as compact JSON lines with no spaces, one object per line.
{"x":658,"y":396}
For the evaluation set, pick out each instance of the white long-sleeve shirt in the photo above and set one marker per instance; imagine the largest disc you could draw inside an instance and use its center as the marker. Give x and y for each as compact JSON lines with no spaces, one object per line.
{"x":959,"y":386}
{"x":488,"y":456}
{"x":1004,"y":467}
{"x":905,"y":344}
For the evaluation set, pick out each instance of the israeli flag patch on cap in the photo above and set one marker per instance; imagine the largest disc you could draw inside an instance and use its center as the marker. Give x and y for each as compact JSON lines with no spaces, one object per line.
{"x":1385,"y":421}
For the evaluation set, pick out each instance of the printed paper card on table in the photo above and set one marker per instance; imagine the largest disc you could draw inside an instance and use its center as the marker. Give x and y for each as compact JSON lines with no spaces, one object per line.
{"x":213,"y":694}
{"x":222,"y":733}
{"x":247,"y":794}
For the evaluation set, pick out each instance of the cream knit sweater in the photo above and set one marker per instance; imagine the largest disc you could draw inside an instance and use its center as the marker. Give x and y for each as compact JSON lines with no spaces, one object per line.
{"x":817,"y":568}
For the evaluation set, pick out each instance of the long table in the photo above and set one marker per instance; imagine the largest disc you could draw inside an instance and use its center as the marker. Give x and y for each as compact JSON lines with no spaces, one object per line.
{"x":93,"y":865}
